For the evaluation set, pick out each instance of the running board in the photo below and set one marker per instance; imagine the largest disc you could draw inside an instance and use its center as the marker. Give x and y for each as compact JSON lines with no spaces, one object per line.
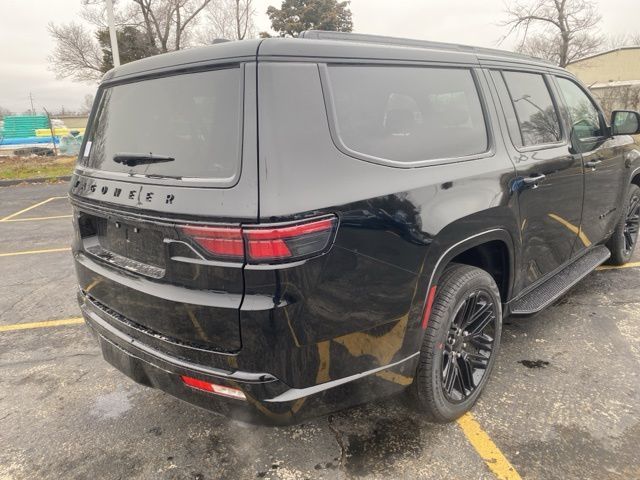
{"x":556,"y":286}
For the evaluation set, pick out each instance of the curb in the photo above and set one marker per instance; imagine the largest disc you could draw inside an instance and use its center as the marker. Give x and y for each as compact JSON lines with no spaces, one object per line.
{"x":18,"y":181}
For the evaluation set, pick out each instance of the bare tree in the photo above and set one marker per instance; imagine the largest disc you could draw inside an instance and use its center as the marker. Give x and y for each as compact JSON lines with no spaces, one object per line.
{"x":77,"y":54}
{"x":623,"y":40}
{"x":619,"y":97}
{"x":4,"y":112}
{"x":167,"y":21}
{"x":94,"y":12}
{"x":557,"y":30}
{"x":166,"y":25}
{"x":87,"y":103}
{"x":230,"y":19}
{"x":626,"y":97}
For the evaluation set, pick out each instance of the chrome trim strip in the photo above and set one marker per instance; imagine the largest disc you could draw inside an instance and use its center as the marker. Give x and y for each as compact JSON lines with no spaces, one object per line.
{"x":296,"y":393}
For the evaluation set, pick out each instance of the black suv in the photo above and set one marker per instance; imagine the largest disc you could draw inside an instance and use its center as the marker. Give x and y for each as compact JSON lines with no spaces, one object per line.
{"x":286,"y":227}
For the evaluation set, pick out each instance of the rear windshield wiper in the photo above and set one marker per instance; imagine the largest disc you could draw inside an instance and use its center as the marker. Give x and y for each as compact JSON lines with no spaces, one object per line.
{"x":133,"y":159}
{"x":155,"y":175}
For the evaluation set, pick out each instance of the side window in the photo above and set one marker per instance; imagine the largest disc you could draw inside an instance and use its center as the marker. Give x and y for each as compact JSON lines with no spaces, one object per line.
{"x":586,"y":124}
{"x":407,"y":114}
{"x":534,"y":108}
{"x":507,"y":108}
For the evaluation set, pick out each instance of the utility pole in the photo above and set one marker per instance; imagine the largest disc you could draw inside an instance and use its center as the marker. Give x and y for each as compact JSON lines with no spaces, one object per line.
{"x":33,"y":111}
{"x":112,"y":34}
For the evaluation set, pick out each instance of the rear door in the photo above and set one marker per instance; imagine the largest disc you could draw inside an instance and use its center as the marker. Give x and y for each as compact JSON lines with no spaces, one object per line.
{"x":603,"y":160}
{"x":168,"y":160}
{"x":549,"y":183}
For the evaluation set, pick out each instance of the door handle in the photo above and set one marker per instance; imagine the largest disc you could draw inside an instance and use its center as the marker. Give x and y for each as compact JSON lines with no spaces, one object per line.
{"x":534,"y":180}
{"x":593,"y":163}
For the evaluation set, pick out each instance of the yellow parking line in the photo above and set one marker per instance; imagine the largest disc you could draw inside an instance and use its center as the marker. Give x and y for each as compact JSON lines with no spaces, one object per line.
{"x":615,"y":267}
{"x":33,"y":219}
{"x":28,"y":208}
{"x":488,"y":451}
{"x":31,"y":252}
{"x":50,"y":323}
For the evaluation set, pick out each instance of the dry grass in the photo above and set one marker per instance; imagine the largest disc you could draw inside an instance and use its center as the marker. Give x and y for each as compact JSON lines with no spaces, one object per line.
{"x":12,"y":168}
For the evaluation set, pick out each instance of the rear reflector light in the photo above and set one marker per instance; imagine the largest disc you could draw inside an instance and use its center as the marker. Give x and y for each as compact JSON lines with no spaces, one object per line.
{"x":427,"y":309}
{"x":265,"y":244}
{"x":213,"y":388}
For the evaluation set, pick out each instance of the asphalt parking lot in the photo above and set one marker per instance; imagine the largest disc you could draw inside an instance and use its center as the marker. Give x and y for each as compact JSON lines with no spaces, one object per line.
{"x":563,"y":402}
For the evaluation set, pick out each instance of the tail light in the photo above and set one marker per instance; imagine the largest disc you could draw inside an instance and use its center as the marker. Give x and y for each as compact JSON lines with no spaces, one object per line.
{"x":265,"y":244}
{"x":221,"y":242}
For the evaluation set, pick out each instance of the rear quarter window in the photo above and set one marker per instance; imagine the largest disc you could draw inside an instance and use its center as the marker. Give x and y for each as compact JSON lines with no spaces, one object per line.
{"x":193,"y":118}
{"x":537,"y":116}
{"x":406,"y":115}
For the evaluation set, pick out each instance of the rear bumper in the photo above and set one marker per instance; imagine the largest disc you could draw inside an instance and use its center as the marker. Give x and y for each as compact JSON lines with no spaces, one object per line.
{"x":269,"y":400}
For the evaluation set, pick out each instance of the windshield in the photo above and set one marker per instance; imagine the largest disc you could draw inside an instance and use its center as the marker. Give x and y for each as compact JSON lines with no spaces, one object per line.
{"x":192,"y":119}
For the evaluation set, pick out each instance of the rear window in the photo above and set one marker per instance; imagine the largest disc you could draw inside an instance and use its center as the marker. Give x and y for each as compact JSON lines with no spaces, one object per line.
{"x":193,"y":119}
{"x":407,"y":114}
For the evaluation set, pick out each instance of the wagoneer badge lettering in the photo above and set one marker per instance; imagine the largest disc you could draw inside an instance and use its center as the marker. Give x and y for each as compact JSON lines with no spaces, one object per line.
{"x":86,"y":186}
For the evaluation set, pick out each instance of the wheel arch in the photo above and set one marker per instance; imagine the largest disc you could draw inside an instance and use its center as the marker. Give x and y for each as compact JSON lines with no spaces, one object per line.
{"x":492,"y":250}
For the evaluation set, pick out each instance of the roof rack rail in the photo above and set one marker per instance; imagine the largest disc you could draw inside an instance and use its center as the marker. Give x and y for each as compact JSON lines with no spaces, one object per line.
{"x":407,"y":42}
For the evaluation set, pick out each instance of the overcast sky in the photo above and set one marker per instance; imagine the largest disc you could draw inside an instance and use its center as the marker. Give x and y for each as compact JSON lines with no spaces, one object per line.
{"x":25,"y":43}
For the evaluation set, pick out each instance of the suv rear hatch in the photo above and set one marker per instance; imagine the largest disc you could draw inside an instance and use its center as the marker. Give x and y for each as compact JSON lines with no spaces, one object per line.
{"x":163,"y":156}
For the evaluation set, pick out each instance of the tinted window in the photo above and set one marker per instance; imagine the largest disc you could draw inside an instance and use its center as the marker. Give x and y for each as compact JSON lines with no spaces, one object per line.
{"x":193,"y":118}
{"x":536,"y":113}
{"x":408,"y":114}
{"x":584,"y":116}
{"x":507,"y":108}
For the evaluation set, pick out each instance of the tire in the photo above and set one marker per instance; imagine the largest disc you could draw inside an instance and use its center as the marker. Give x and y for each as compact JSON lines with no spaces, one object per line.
{"x":623,"y":241}
{"x":442,"y":403}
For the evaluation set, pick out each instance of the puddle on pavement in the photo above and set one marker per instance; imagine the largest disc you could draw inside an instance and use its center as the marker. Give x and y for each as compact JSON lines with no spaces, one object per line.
{"x":534,"y":363}
{"x":388,"y":441}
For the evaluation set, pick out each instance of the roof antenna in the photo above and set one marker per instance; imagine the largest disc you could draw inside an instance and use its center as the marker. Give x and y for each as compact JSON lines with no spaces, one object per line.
{"x":220,"y":40}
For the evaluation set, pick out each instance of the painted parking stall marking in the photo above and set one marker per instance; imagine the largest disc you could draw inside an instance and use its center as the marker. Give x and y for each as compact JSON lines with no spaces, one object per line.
{"x":616,"y":267}
{"x":33,"y":252}
{"x":9,"y":217}
{"x":12,"y":218}
{"x":488,"y":451}
{"x":47,"y":324}
{"x":36,"y":219}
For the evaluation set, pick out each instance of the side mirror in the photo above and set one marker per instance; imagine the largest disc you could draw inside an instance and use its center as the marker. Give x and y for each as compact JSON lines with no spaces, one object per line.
{"x":625,"y":122}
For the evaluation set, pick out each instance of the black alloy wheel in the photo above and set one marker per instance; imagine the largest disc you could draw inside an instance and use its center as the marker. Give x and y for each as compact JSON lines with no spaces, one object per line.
{"x":632,"y":221}
{"x":460,"y":343}
{"x":625,"y":236}
{"x":469,"y":345}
